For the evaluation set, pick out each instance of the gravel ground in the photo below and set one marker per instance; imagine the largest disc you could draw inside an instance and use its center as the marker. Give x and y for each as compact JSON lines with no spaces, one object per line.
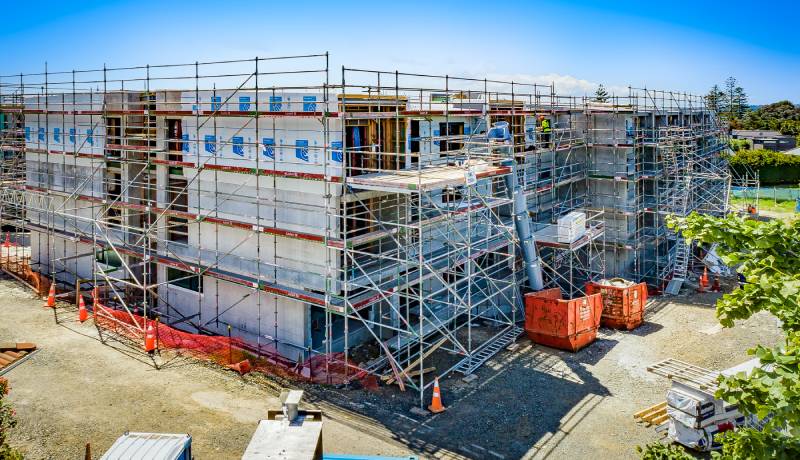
{"x":534,"y":402}
{"x":75,"y":390}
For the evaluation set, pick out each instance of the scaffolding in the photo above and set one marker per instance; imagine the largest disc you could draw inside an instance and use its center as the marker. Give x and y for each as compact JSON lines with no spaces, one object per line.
{"x":128,"y":187}
{"x":365,"y":224}
{"x":654,"y":154}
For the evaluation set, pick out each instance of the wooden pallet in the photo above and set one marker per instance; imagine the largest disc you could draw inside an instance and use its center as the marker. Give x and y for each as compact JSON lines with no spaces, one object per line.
{"x":688,"y":374}
{"x":653,"y":415}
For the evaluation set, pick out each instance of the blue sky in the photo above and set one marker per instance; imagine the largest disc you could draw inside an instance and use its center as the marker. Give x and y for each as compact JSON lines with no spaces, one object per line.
{"x":676,"y":45}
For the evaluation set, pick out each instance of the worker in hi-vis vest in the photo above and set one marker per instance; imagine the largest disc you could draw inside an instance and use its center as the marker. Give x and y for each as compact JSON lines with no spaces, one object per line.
{"x":544,"y":123}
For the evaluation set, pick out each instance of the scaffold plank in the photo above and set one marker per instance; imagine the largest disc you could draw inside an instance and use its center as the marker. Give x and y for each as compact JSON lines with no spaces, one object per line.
{"x":424,"y":179}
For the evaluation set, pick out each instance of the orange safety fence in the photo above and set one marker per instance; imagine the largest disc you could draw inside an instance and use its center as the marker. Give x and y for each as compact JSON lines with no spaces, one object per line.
{"x":229,"y":351}
{"x":17,"y":264}
{"x":331,"y":368}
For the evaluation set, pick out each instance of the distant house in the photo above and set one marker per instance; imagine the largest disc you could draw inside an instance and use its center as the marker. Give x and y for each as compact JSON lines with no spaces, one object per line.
{"x":770,"y":140}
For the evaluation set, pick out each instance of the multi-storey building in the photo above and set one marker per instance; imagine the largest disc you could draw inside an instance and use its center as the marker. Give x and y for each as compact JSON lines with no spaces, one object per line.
{"x":373,"y":217}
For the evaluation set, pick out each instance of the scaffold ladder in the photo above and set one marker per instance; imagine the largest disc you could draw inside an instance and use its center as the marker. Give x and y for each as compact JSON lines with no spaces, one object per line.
{"x":468,"y":365}
{"x":679,"y":180}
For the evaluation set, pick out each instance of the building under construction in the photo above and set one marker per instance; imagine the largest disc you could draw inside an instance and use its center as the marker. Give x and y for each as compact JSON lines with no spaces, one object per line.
{"x":374,"y":218}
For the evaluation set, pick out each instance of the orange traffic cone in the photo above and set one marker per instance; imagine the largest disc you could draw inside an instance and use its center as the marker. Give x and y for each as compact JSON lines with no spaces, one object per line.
{"x":704,"y":278}
{"x":83,"y":314}
{"x":436,"y":400}
{"x":701,"y":288}
{"x":7,"y":244}
{"x":150,"y":340}
{"x":51,"y":297}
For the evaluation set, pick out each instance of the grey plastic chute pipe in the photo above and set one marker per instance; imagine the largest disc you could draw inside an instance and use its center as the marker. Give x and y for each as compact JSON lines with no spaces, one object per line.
{"x":522,"y":222}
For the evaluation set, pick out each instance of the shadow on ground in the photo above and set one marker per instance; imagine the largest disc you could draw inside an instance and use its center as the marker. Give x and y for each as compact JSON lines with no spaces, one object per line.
{"x":525,"y":400}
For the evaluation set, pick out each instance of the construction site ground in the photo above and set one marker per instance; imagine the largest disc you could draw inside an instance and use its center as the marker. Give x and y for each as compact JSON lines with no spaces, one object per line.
{"x":533,"y":402}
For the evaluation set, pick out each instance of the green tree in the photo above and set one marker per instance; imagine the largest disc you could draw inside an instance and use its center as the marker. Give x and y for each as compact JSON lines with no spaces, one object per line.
{"x":601,"y":95}
{"x":736,"y":104}
{"x":757,"y":444}
{"x":791,"y":127}
{"x":715,"y":99}
{"x":730,"y":95}
{"x":768,"y":255}
{"x":772,"y":116}
{"x":740,"y":103}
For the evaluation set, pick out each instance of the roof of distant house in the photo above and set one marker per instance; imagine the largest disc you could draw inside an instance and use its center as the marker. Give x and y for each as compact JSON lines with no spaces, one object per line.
{"x":759,"y":134}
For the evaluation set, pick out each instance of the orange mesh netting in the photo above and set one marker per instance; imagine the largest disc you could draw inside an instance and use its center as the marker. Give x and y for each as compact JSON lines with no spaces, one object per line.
{"x":227,"y":351}
{"x":14,"y":262}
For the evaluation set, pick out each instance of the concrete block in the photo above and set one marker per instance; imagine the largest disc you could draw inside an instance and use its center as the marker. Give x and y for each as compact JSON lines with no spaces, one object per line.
{"x":470,"y":378}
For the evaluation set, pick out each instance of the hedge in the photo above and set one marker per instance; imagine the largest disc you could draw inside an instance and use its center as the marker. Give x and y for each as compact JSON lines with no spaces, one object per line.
{"x":774,"y":168}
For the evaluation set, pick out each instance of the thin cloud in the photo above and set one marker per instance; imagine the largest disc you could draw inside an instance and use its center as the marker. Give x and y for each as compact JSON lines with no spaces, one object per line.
{"x":564,"y":84}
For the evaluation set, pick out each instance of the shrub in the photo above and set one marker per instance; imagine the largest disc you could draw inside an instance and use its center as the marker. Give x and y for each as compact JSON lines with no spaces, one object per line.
{"x":739,"y":144}
{"x":658,"y":451}
{"x":8,"y":420}
{"x":751,"y":443}
{"x":760,"y":158}
{"x":774,"y":168}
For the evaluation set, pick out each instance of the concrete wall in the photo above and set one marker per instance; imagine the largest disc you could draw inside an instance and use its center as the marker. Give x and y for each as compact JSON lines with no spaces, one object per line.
{"x":609,"y":128}
{"x":292,"y":144}
{"x":255,"y":316}
{"x":82,"y":176}
{"x":612,"y":162}
{"x":67,"y":132}
{"x":619,"y":262}
{"x":287,"y":261}
{"x":285,"y":203}
{"x":59,"y":254}
{"x":608,"y":193}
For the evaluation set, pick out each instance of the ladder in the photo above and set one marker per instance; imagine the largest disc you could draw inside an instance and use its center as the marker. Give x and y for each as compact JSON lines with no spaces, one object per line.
{"x":678,"y":183}
{"x":681,"y":267}
{"x":482,"y":354}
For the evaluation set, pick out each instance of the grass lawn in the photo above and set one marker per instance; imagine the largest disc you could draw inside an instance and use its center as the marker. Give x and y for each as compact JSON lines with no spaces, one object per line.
{"x":781,"y":209}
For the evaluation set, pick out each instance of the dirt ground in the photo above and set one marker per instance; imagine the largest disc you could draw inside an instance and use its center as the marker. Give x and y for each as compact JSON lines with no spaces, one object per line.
{"x":534,"y":402}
